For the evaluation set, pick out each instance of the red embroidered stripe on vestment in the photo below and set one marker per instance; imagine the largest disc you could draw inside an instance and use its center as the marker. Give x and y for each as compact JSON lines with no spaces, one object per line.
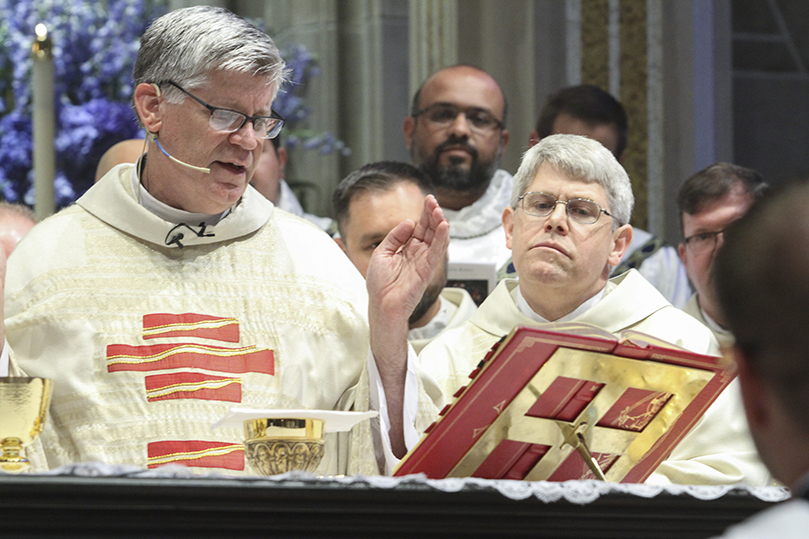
{"x":190,"y":325}
{"x":196,"y":453}
{"x":192,"y":385}
{"x":157,"y":357}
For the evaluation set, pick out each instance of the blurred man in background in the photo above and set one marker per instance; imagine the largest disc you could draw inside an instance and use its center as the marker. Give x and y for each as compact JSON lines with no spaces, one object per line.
{"x":709,"y":202}
{"x":268,"y":180}
{"x":126,"y":151}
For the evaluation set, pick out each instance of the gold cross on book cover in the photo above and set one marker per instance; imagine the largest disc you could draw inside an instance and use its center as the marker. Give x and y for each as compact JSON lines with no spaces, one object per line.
{"x":570,"y":402}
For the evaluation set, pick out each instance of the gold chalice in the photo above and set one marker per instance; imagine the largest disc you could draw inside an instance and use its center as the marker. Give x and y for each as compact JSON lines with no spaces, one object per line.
{"x":23,"y":406}
{"x":275,"y":446}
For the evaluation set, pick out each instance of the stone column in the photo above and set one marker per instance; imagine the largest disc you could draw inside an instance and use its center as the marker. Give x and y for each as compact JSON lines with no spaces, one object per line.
{"x":500,"y":38}
{"x":314,"y":24}
{"x":614,"y":57}
{"x":433,"y":37}
{"x":374,"y":92}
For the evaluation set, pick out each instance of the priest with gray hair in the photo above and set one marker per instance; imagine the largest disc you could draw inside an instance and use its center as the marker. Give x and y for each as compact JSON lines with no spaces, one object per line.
{"x":567,"y":225}
{"x":172,"y":290}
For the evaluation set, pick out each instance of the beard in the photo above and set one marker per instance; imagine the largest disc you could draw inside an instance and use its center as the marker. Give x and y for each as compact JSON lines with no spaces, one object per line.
{"x":454,"y":176}
{"x":430,"y":295}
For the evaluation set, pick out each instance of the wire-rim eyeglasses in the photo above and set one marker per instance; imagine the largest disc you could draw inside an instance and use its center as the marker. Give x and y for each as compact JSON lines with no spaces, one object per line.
{"x":580,"y":210}
{"x":230,"y":121}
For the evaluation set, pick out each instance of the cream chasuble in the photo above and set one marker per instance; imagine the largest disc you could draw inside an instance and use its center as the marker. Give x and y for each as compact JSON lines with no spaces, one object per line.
{"x":718,"y":450}
{"x":149,"y":343}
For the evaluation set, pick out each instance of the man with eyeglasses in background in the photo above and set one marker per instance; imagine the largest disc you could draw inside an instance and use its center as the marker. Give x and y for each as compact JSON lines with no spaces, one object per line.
{"x":456,"y":133}
{"x":709,"y":202}
{"x":172,"y":290}
{"x":566,"y":226}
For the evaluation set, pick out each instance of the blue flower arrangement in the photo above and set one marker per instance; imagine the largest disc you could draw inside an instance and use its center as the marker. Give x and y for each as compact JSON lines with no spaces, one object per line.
{"x":291,"y":105}
{"x":94,"y":48}
{"x":95,"y":43}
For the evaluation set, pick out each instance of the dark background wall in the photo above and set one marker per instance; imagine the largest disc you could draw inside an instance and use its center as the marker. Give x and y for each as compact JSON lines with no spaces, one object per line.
{"x":771,"y":87}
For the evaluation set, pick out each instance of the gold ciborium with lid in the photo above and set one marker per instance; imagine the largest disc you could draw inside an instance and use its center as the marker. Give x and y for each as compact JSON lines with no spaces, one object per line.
{"x":23,"y":407}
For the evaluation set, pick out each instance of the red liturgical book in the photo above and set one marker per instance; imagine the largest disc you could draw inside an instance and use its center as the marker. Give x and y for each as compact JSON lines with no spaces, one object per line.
{"x":570,"y":402}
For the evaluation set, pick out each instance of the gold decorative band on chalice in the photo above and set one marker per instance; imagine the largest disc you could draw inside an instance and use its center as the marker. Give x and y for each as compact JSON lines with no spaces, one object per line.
{"x":24,"y":406}
{"x":275,"y":446}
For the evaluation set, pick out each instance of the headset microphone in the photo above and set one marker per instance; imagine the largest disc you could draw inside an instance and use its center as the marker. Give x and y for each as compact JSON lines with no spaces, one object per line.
{"x":192,"y":167}
{"x":154,"y":138}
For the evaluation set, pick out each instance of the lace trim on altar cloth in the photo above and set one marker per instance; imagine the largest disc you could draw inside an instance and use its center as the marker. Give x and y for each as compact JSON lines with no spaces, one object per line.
{"x":578,"y":492}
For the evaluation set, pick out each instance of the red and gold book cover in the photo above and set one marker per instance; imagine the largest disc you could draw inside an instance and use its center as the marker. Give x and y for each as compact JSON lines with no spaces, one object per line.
{"x":543,"y":395}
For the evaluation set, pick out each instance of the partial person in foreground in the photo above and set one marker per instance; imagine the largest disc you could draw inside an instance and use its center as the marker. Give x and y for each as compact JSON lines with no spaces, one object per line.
{"x":16,"y":220}
{"x":590,"y":111}
{"x":368,"y":204}
{"x":763,"y":290}
{"x":567,"y":225}
{"x":172,"y":290}
{"x":709,"y":202}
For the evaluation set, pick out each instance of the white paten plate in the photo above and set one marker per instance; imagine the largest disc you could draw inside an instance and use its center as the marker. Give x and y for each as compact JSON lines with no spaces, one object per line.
{"x":335,"y":421}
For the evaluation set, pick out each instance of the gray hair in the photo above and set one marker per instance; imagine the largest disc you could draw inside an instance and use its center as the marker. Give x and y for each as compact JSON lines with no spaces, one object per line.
{"x":582,"y":159}
{"x":187,"y":45}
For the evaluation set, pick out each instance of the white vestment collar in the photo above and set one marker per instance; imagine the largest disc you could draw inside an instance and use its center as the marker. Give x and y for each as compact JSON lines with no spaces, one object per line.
{"x":114,"y":200}
{"x":627,"y":300}
{"x":173,"y":215}
{"x":526,"y":309}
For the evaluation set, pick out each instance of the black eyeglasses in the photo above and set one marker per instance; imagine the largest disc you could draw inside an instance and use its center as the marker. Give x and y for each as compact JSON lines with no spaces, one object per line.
{"x":443,"y":114}
{"x":230,"y":121}
{"x":702,"y":242}
{"x":581,"y":210}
